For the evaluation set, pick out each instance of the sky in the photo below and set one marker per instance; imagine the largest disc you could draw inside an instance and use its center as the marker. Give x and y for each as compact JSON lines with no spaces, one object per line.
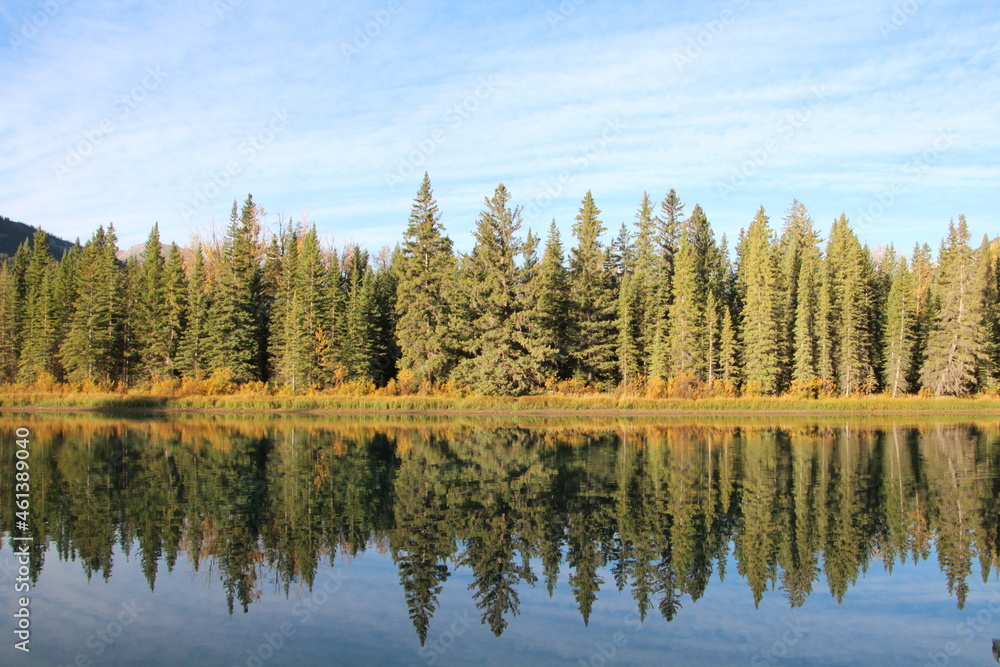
{"x":135,"y":113}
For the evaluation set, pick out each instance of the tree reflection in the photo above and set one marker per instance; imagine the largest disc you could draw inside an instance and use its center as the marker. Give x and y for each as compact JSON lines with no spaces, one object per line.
{"x":656,"y":510}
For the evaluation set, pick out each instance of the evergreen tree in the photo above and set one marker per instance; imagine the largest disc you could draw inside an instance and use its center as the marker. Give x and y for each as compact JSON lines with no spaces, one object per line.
{"x":8,"y":319}
{"x":955,"y":342}
{"x":235,"y":319}
{"x":93,"y":348}
{"x":761,"y":313}
{"x":37,"y":329}
{"x":176,"y":288}
{"x":687,"y":315}
{"x":549,"y":307}
{"x":360,"y":346}
{"x":592,"y":338}
{"x":899,"y":334}
{"x":427,"y":264}
{"x":925,"y":306}
{"x":193,"y":349}
{"x":670,"y":226}
{"x":848,"y":291}
{"x":649,"y":271}
{"x":152,"y":322}
{"x":797,"y":251}
{"x":501,"y":356}
{"x":989,"y":258}
{"x":808,"y":323}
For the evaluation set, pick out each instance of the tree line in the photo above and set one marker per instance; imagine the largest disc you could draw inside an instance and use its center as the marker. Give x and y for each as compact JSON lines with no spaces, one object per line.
{"x":661,"y":308}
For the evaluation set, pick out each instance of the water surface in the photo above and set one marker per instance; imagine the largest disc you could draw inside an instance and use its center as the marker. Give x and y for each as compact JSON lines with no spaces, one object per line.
{"x":366,"y":540}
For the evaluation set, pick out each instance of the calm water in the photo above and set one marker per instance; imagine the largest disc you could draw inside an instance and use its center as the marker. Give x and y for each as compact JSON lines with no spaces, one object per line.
{"x":370,"y":541}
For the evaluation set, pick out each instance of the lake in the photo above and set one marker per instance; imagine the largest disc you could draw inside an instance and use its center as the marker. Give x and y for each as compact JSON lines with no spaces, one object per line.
{"x":381,"y":540}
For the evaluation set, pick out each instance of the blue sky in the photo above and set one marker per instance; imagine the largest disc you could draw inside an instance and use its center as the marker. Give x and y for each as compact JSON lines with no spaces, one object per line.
{"x":133,"y":112}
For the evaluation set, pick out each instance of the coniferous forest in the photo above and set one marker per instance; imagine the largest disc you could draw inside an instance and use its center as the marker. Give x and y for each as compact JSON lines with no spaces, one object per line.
{"x":665,"y":308}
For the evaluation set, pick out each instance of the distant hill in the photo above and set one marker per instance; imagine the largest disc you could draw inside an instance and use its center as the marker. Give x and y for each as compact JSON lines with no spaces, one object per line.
{"x":13,"y":234}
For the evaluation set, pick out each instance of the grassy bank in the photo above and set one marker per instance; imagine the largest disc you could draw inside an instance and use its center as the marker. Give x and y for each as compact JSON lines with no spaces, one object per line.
{"x":257,"y":401}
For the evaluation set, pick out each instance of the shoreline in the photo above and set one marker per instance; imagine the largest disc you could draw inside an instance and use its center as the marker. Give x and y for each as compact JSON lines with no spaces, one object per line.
{"x":599,"y":405}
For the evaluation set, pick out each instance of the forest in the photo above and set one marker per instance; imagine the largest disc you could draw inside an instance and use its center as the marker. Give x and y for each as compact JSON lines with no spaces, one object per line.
{"x":661,"y":309}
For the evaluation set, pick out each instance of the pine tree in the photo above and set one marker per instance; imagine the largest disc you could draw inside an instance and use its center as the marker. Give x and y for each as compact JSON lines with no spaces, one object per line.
{"x":899,"y":334}
{"x":956,"y":339}
{"x":427,"y":264}
{"x":193,"y":347}
{"x":761,"y":323}
{"x":592,"y":337}
{"x":152,"y":324}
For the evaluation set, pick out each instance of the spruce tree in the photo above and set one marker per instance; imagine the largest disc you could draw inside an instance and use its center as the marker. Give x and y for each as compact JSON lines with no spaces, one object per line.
{"x":427,"y":264}
{"x":808,"y":321}
{"x":93,"y":348}
{"x":650,"y":270}
{"x":687,"y":315}
{"x":592,"y":337}
{"x":37,"y":328}
{"x":152,"y":323}
{"x":235,"y":320}
{"x":761,"y":324}
{"x":500,"y":359}
{"x":955,"y":341}
{"x":8,"y":318}
{"x":899,"y":332}
{"x":670,"y":227}
{"x":797,"y":251}
{"x":989,"y":258}
{"x":176,"y":288}
{"x":193,"y":347}
{"x":548,"y":301}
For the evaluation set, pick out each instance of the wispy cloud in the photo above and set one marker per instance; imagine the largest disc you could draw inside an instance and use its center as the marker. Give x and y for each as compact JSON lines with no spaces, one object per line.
{"x":353,"y":119}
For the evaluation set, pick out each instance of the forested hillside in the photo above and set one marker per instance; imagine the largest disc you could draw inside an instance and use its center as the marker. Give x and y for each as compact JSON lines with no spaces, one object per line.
{"x":664,"y":308}
{"x":13,"y":234}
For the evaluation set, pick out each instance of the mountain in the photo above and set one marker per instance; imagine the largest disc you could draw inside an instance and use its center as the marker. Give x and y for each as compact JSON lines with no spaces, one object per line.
{"x":13,"y":234}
